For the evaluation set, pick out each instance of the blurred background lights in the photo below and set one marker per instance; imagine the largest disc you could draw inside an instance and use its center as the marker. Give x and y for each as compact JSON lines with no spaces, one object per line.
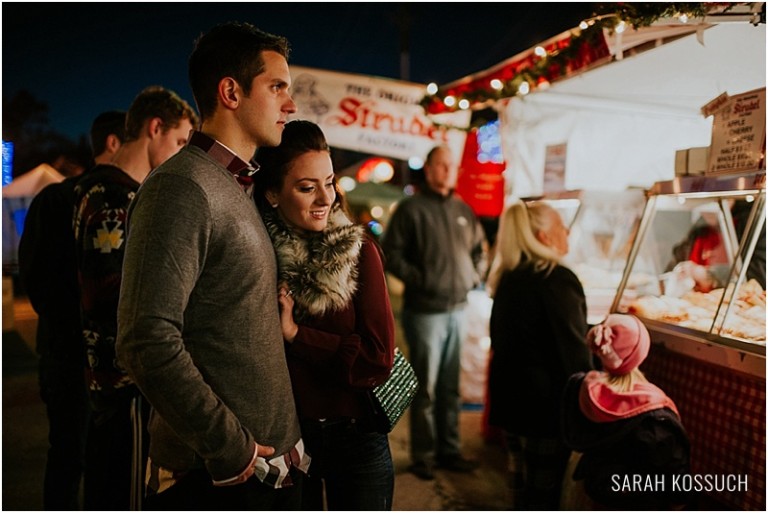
{"x":489,"y":143}
{"x":415,"y":162}
{"x":347,"y":183}
{"x":376,"y":170}
{"x":375,"y":228}
{"x":383,"y":172}
{"x":377,"y":212}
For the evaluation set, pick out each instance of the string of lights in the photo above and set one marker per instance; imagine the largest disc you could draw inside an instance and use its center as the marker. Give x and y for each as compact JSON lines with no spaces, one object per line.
{"x":572,"y":51}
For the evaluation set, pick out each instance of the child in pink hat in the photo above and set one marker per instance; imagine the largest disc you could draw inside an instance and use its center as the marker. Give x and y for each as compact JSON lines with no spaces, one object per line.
{"x":626,"y":429}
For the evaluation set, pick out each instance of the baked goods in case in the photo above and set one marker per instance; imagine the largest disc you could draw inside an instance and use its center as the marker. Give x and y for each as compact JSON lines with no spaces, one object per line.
{"x":696,"y":310}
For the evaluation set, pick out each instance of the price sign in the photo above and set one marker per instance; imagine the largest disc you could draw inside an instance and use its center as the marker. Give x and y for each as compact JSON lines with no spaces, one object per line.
{"x":738,"y":135}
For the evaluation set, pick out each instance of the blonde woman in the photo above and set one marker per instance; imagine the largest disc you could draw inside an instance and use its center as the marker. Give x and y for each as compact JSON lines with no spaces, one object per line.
{"x":538,"y":329}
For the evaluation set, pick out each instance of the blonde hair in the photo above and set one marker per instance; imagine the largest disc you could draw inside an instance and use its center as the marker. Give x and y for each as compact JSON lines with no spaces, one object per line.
{"x":517,"y":244}
{"x":625,"y":382}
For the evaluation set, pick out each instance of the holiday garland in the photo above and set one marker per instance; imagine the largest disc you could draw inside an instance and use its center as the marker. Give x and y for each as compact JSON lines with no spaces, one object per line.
{"x":585,"y":45}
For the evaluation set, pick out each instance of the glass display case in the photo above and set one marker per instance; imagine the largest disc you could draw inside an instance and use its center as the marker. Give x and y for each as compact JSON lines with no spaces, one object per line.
{"x":696,"y":271}
{"x":602,"y":227}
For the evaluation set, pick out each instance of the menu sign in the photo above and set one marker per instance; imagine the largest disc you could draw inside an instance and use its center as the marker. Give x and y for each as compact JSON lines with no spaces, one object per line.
{"x":738,"y":134}
{"x":554,"y":168}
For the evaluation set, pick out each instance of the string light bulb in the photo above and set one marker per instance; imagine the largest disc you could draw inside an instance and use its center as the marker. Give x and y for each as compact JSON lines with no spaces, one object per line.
{"x":683,"y":18}
{"x":497,"y":84}
{"x":583,"y":25}
{"x":431,"y":88}
{"x":540,"y":51}
{"x":620,"y":27}
{"x":463,"y":104}
{"x":524,"y":88}
{"x":449,"y":101}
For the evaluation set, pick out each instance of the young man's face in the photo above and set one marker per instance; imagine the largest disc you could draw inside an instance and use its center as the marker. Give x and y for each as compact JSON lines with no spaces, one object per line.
{"x":168,"y":142}
{"x":263,"y":113}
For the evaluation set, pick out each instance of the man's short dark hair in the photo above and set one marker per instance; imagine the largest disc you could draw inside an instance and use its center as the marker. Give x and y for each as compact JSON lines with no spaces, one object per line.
{"x":229,"y":50}
{"x":107,"y":123}
{"x":157,"y":102}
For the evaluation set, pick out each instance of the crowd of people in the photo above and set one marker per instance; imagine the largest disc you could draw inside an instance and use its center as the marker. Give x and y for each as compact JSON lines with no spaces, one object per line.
{"x":212,"y":321}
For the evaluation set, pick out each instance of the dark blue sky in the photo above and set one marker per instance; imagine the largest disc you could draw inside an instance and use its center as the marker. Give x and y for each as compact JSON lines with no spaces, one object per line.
{"x":84,"y":58}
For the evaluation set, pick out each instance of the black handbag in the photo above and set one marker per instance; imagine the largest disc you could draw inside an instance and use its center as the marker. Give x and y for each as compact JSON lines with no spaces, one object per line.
{"x":394,"y":396}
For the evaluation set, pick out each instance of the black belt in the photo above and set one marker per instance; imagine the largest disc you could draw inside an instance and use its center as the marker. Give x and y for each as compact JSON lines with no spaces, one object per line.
{"x":337,"y":423}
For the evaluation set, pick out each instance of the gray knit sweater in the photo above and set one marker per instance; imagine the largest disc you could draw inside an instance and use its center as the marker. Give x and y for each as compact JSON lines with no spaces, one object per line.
{"x":198,"y":324}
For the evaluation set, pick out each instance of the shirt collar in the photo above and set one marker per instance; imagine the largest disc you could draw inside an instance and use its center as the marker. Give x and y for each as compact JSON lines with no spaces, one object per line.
{"x":242,"y":171}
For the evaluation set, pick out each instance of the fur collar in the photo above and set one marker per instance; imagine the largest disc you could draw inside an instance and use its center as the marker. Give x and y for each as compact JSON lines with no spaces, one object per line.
{"x":320,"y":268}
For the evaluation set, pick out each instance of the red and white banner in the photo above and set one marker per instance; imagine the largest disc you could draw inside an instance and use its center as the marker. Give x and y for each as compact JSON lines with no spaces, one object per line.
{"x":374,"y":115}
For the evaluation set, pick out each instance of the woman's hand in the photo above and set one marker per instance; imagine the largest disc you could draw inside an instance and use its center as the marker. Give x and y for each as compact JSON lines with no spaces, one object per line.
{"x":285,"y":301}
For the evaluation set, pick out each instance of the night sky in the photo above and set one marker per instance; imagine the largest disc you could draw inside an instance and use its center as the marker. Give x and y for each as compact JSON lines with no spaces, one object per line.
{"x":85,"y":58}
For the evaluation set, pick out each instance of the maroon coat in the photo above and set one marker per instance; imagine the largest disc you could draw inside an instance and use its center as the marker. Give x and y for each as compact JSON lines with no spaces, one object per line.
{"x":336,"y":358}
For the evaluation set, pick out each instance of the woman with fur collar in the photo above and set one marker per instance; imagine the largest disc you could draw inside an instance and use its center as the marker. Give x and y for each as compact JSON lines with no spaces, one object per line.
{"x":336,"y":319}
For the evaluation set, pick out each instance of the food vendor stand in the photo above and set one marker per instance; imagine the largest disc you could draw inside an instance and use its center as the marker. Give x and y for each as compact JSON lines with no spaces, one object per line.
{"x":621,"y":119}
{"x":709,"y":347}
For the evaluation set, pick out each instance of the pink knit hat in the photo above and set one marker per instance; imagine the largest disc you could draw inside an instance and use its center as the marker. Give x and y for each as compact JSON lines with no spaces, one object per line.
{"x":621,"y":342}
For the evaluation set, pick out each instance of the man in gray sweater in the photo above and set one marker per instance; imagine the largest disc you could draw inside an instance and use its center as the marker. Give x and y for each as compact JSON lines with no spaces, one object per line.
{"x":199,"y":330}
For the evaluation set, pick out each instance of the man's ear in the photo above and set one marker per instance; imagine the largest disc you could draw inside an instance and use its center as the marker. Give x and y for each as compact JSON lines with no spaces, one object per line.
{"x":229,"y":92}
{"x":154,"y":127}
{"x":112,"y":144}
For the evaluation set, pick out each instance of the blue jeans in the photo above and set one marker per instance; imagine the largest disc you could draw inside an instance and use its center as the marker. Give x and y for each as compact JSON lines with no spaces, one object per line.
{"x":356,"y":466}
{"x":434,"y":342}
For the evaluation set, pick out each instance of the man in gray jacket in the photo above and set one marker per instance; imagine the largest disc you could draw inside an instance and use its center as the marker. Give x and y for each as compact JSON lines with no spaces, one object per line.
{"x":199,"y":330}
{"x":436,"y":246}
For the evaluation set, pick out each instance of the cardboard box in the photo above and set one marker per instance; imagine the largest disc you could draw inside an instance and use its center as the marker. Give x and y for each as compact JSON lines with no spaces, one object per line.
{"x":691,"y":161}
{"x":698,"y":160}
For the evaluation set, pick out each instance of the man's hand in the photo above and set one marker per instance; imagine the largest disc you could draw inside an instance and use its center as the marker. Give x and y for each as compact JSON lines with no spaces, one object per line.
{"x":263,"y":451}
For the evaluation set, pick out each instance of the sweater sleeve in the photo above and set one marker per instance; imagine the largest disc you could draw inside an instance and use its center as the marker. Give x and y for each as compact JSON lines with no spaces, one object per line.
{"x":169,"y":235}
{"x":364,"y":357}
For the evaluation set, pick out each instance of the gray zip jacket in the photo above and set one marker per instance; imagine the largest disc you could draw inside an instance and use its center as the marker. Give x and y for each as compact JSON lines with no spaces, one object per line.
{"x":434,"y":244}
{"x":198,"y":324}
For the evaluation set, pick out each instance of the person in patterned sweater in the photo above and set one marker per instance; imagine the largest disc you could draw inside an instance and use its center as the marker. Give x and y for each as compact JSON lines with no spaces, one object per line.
{"x":158,"y":124}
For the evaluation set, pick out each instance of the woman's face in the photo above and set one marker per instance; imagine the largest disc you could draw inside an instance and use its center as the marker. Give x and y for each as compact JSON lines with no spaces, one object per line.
{"x":307,"y":194}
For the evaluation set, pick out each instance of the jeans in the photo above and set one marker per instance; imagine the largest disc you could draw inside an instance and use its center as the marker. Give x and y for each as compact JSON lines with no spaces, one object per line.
{"x":115,"y":466}
{"x":434,"y":342}
{"x":543,"y":467}
{"x":356,"y":466}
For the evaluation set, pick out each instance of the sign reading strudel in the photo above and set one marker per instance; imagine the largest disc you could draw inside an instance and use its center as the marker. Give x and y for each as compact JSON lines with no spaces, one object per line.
{"x":374,"y":115}
{"x":738,"y":134}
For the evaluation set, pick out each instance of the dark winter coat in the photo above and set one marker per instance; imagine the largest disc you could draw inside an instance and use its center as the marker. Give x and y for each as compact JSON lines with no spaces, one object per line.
{"x":650,"y":449}
{"x":538,"y":328}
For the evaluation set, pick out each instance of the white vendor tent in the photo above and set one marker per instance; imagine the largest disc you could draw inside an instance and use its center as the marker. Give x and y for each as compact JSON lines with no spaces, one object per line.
{"x":32,"y":182}
{"x":17,"y":197}
{"x":622,"y":122}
